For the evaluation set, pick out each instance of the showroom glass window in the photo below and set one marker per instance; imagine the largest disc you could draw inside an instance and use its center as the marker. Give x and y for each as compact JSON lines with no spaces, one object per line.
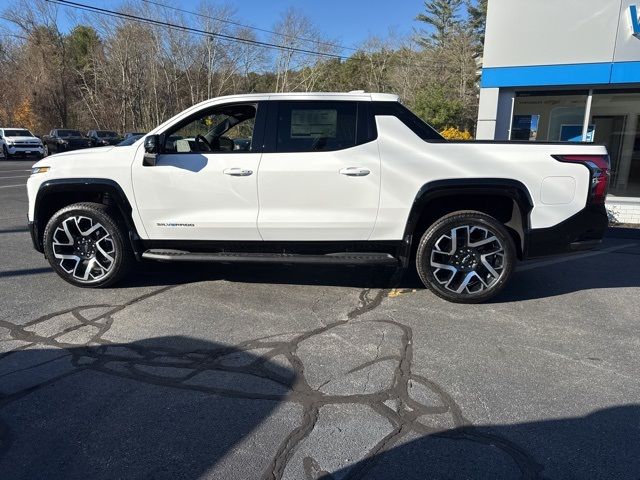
{"x":549,"y":116}
{"x":613,"y":120}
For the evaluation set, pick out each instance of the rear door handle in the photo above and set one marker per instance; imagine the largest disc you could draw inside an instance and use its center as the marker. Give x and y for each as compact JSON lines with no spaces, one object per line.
{"x":237,"y":172}
{"x":355,"y":171}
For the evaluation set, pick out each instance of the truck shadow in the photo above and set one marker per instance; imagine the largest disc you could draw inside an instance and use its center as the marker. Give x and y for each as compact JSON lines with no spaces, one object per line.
{"x":556,"y":276}
{"x":168,"y":407}
{"x":601,"y":445}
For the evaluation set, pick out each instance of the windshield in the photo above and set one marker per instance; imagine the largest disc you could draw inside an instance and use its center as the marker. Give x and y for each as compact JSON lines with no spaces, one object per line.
{"x":106,"y":134}
{"x":18,"y":133}
{"x":130,"y":140}
{"x":69,"y":133}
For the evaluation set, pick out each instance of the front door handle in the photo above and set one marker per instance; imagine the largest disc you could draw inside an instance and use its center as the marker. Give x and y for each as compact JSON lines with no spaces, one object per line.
{"x":237,"y":172}
{"x":355,"y":171}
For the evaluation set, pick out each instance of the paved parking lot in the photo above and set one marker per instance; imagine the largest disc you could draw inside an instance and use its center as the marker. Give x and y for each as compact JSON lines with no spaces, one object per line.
{"x":230,"y":372}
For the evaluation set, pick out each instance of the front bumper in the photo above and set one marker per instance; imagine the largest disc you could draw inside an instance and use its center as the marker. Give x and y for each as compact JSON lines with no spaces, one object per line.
{"x":35,"y":150}
{"x":62,"y":147}
{"x":33,"y":231}
{"x":582,"y":231}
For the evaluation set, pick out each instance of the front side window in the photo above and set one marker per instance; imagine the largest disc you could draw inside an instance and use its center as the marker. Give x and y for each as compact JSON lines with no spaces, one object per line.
{"x":226,"y":129}
{"x":316,"y":126}
{"x":106,"y":134}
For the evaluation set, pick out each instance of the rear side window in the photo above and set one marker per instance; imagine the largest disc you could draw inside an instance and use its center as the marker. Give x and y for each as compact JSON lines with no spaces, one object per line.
{"x":316,"y":126}
{"x":410,"y":119}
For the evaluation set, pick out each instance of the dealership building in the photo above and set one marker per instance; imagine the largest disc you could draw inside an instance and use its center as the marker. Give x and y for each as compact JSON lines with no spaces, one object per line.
{"x":568,"y":71}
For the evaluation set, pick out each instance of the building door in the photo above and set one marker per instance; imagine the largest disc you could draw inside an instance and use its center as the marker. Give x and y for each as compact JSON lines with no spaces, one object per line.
{"x":610,"y":131}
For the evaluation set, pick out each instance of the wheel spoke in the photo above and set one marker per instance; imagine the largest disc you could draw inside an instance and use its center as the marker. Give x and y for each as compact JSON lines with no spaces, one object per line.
{"x":466,"y":281}
{"x":85,"y":268}
{"x":106,"y":251}
{"x":483,"y":242}
{"x":489,"y":267}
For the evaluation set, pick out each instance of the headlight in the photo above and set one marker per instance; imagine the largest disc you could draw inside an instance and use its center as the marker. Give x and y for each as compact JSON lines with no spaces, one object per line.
{"x":9,"y":142}
{"x":35,"y":170}
{"x":61,"y":141}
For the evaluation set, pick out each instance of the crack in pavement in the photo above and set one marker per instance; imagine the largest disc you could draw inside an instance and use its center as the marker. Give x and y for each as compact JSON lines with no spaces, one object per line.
{"x":135,"y":362}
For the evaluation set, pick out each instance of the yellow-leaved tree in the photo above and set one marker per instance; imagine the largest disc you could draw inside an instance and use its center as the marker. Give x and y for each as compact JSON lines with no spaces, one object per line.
{"x":24,"y":116}
{"x":452,"y":133}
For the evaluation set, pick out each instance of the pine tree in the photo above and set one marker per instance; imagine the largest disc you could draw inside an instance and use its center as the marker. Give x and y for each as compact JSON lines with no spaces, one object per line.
{"x":478,"y":20}
{"x":443,"y":16}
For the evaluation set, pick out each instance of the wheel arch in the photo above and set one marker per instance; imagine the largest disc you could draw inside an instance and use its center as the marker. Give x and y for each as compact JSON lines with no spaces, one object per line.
{"x":507,"y":199}
{"x":58,"y":193}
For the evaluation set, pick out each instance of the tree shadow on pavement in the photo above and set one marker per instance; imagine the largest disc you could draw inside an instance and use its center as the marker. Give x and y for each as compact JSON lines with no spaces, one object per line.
{"x":561,"y":275}
{"x":169,"y":407}
{"x":602,"y":445}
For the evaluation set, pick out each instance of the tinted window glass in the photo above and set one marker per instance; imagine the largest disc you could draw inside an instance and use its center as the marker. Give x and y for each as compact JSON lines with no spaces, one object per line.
{"x":130,"y":140}
{"x":316,"y":126}
{"x":69,"y":133}
{"x":18,"y":133}
{"x":410,"y":119}
{"x":225,"y":129}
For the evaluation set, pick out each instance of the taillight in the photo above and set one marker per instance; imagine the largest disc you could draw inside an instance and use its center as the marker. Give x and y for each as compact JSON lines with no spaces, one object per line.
{"x":600,"y":168}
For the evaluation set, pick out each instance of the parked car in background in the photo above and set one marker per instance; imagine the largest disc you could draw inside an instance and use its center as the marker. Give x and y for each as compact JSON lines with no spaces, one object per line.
{"x":134,"y":134}
{"x":19,"y":141}
{"x":64,"y":140}
{"x":131,"y":139}
{"x":101,"y":138}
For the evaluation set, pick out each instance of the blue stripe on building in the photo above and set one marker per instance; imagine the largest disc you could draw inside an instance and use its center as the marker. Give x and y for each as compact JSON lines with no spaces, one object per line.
{"x":561,"y":75}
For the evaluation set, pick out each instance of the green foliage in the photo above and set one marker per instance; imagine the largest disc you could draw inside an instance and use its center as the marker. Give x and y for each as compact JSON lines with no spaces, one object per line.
{"x":437,"y":108}
{"x":82,"y":41}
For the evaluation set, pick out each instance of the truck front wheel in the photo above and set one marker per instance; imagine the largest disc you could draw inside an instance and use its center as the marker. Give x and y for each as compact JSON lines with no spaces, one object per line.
{"x":466,"y":257}
{"x":86,"y":247}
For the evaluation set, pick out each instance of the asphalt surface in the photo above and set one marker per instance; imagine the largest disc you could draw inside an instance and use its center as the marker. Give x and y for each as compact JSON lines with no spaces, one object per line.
{"x":300,"y":372}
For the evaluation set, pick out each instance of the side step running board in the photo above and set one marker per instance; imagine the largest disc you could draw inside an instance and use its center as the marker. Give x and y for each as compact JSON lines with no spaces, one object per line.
{"x":346,"y":258}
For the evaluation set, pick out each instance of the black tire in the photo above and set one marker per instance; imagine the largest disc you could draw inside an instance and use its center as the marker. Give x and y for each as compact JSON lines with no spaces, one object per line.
{"x":45,"y":151}
{"x":91,"y":249}
{"x":5,"y":153}
{"x":471,"y":259}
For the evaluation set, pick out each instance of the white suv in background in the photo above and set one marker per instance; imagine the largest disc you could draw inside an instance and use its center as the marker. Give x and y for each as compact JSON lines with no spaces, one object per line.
{"x":19,"y":141}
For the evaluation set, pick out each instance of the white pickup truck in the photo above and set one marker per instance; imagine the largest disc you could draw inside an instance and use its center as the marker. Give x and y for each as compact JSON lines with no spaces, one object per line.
{"x":346,"y":178}
{"x":19,"y":141}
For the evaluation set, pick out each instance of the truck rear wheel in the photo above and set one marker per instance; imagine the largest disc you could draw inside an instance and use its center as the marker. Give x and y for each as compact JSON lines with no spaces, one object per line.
{"x":86,"y":247}
{"x":466,"y":257}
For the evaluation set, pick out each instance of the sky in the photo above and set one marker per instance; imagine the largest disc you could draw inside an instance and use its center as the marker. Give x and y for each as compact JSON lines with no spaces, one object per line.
{"x":346,"y":22}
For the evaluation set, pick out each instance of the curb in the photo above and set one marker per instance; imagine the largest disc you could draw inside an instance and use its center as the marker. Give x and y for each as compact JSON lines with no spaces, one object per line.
{"x":623,"y":232}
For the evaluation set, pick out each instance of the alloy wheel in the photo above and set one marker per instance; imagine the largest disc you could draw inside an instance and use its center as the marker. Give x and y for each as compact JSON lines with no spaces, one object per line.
{"x":84,"y":249}
{"x":467,"y":260}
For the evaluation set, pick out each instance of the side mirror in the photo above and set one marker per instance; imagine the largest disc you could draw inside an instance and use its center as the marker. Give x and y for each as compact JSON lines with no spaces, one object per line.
{"x":151,"y":149}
